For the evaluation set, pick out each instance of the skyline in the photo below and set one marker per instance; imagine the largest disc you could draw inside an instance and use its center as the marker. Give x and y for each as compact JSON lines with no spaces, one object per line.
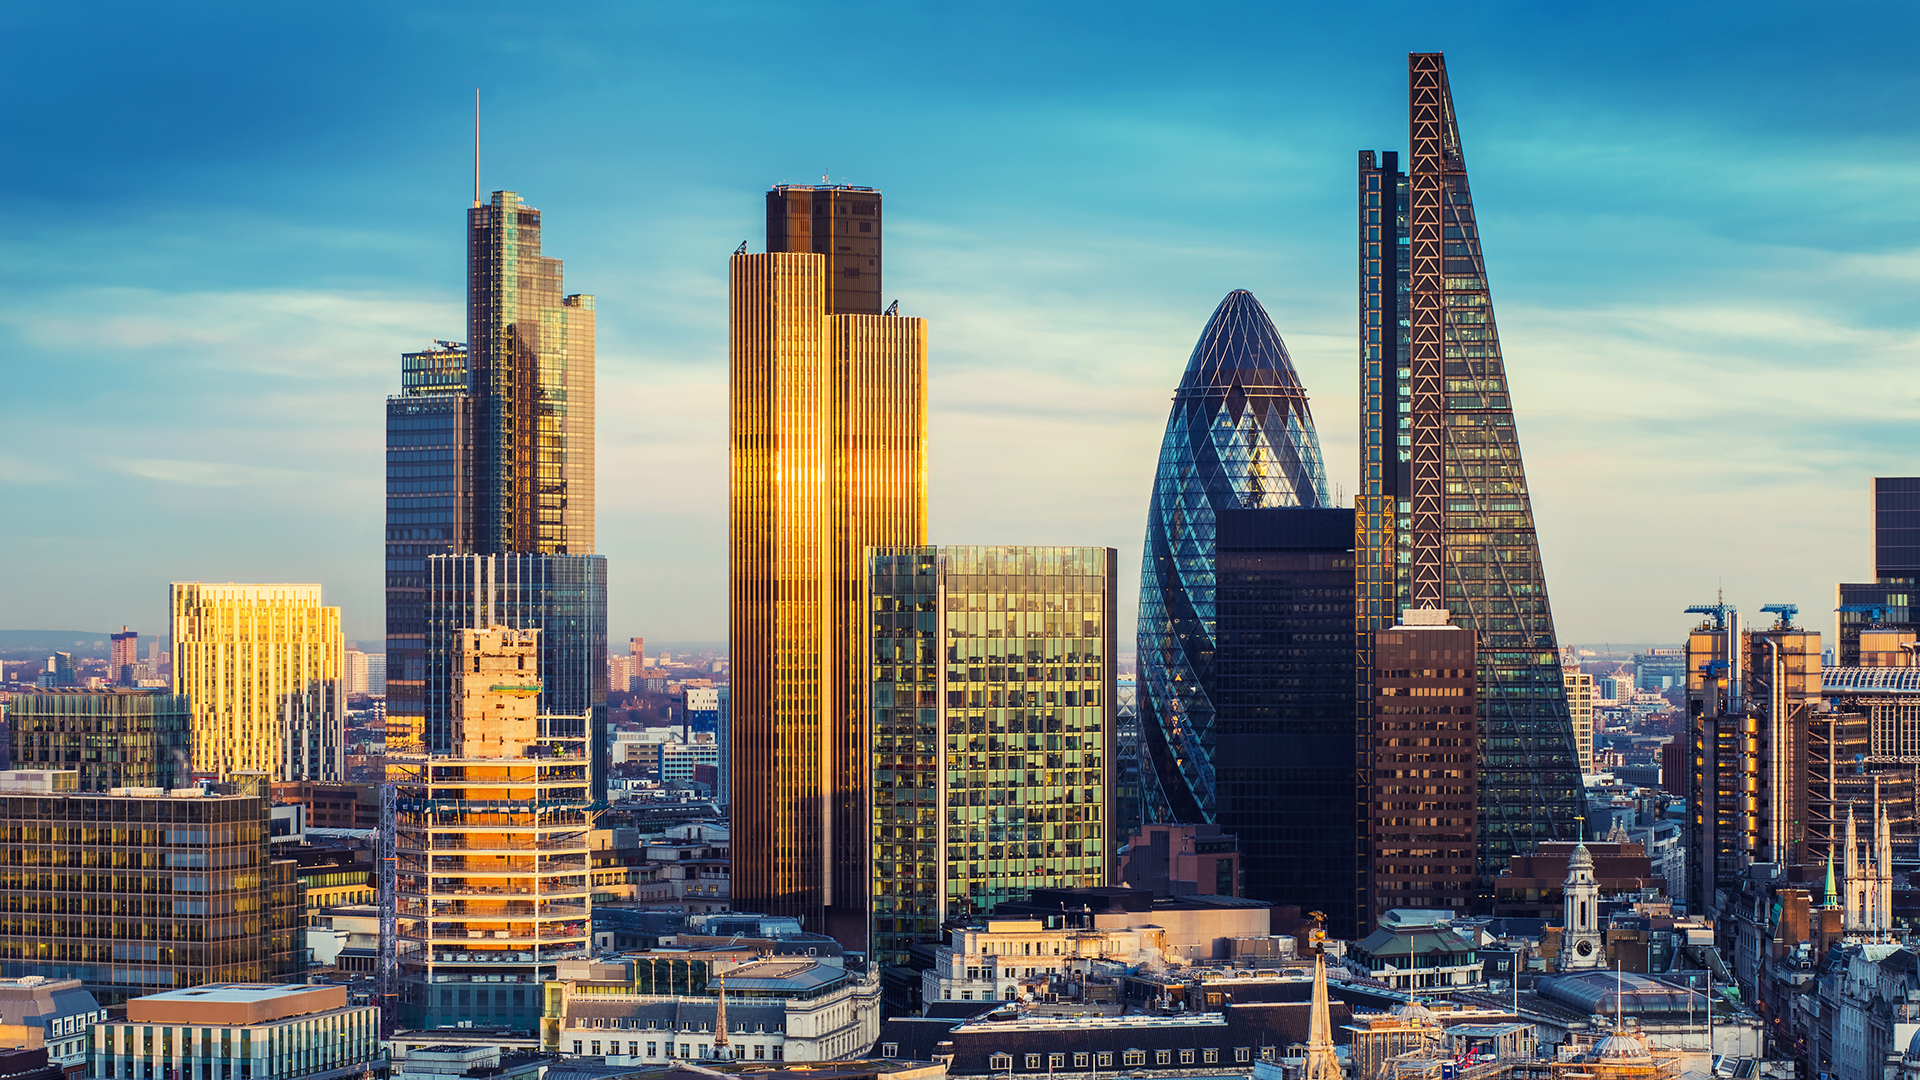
{"x":1062,"y":317}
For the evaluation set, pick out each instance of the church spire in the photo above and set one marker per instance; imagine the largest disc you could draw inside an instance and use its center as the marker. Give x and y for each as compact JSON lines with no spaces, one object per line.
{"x":1322,"y":1062}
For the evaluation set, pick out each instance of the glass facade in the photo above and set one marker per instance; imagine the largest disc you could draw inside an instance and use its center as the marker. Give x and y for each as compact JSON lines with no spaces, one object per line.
{"x":1240,"y":437}
{"x":135,"y":894}
{"x":993,"y":720}
{"x":112,"y":738}
{"x":427,"y":471}
{"x":530,"y":356}
{"x":828,"y":442}
{"x":562,"y":596}
{"x":263,"y":667}
{"x":841,"y":222}
{"x":1444,"y":519}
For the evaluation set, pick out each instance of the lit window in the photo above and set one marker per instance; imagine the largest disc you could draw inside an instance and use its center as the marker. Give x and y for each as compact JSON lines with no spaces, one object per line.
{"x":1033,"y":1061}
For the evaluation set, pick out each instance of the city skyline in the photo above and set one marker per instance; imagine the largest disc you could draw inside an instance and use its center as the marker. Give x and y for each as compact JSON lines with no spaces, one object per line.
{"x":1641,"y":387}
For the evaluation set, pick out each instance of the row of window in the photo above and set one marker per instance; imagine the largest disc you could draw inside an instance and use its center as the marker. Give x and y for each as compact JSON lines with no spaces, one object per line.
{"x":1103,"y":1059}
{"x":686,"y":1050}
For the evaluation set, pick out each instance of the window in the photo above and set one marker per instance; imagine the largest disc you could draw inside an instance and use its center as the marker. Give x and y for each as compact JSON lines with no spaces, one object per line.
{"x":1163,"y":1057}
{"x":759,"y":1053}
{"x":1080,"y":1060}
{"x":1243,"y":1054}
{"x":1056,"y":1061}
{"x":1104,"y":1059}
{"x":1210,"y":1055}
{"x":596,"y":1048}
{"x":1186,"y":1057}
{"x":633,"y":1049}
{"x":999,"y":1062}
{"x":1133,"y":1057}
{"x":779,"y":1053}
{"x":577,"y":1044}
{"x":653,"y":1049}
{"x":888,"y":1050}
{"x":966,"y":995}
{"x":1033,"y":1061}
{"x":686,"y":1050}
{"x":1266,"y":1053}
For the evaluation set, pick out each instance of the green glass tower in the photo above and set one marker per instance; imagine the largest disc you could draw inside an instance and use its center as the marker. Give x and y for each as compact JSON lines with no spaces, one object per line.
{"x":1443,"y":519}
{"x":993,"y":711}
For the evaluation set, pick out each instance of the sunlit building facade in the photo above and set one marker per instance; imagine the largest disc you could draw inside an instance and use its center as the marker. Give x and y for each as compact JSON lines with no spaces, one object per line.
{"x":530,"y":357}
{"x":112,"y":738}
{"x":993,"y":719}
{"x":1442,"y":518}
{"x":1245,"y":718}
{"x":264,"y":669}
{"x":827,"y":430}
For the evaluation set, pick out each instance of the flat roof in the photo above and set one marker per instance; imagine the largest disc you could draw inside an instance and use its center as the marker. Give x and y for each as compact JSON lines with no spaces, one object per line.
{"x":235,"y":1003}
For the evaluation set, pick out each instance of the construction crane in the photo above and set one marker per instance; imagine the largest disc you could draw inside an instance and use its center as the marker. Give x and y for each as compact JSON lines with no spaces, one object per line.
{"x":389,"y":910}
{"x":1719,"y":611}
{"x":1785,"y":612}
{"x":1875,"y":613}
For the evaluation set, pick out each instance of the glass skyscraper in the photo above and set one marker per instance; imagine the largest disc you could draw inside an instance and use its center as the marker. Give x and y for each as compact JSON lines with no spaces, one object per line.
{"x":993,"y":721}
{"x":117,"y":737}
{"x":1245,"y":597}
{"x":827,"y":458}
{"x":530,"y":355}
{"x":562,"y":596}
{"x":1443,"y":518}
{"x":428,"y":442}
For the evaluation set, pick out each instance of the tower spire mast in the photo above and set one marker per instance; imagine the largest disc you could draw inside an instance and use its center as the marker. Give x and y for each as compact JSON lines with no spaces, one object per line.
{"x":476,"y":146}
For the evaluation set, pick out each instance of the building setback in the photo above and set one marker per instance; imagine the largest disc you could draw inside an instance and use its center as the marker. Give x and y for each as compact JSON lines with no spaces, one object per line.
{"x":112,"y":738}
{"x":993,"y":731}
{"x":1443,"y":518}
{"x":135,"y":893}
{"x":827,"y":431}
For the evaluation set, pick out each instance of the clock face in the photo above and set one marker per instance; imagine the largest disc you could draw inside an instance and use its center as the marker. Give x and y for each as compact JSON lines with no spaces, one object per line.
{"x":1585,"y":948}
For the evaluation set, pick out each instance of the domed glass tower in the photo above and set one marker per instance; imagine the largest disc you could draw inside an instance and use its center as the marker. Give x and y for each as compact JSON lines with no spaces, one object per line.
{"x":1239,"y":521}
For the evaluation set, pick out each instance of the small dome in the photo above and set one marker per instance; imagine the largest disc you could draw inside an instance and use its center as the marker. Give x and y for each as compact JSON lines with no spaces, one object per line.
{"x":1913,"y":1048}
{"x":1414,"y":1013}
{"x":1622,"y":1047}
{"x":1581,"y":859}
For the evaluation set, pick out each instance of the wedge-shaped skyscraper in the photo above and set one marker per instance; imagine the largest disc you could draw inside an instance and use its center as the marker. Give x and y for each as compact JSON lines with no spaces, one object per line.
{"x":1246,"y":593}
{"x":1442,"y":518}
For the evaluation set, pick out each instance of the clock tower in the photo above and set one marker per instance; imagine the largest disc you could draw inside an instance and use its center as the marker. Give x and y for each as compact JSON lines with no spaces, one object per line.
{"x":1580,"y":946}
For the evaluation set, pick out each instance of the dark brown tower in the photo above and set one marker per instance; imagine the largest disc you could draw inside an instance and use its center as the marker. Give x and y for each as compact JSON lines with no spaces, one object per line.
{"x":1424,"y":748}
{"x":840,"y":222}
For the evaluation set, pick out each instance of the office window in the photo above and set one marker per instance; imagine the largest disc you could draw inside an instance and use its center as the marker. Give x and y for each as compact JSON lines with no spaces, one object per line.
{"x":1210,"y":1055}
{"x":1056,"y":1061}
{"x":1163,"y":1057}
{"x":1104,"y":1059}
{"x":1080,"y":1060}
{"x":1000,"y":1061}
{"x":1266,"y":1053}
{"x":1033,"y":1061}
{"x":1133,"y":1057}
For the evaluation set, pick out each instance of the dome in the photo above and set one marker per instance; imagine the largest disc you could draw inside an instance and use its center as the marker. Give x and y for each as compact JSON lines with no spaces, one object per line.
{"x":1622,"y":1047}
{"x":1913,"y":1048}
{"x":1414,"y":1013}
{"x":1582,"y":859}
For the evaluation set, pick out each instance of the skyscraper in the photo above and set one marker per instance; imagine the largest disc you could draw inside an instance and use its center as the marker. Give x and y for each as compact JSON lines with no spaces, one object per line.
{"x":993,"y":721}
{"x":1443,"y":518}
{"x":126,"y":653}
{"x":429,"y":431}
{"x":1887,"y":601}
{"x":263,"y":667}
{"x":530,"y":354}
{"x":112,"y":738}
{"x":828,"y":457}
{"x":1246,"y":592}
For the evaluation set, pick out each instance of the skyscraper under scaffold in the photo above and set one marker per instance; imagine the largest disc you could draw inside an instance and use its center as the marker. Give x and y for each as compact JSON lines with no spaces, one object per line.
{"x":1246,"y":601}
{"x":1443,"y":517}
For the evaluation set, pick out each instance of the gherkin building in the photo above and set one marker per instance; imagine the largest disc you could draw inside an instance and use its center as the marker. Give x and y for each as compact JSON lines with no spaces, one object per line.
{"x":1244,"y":554}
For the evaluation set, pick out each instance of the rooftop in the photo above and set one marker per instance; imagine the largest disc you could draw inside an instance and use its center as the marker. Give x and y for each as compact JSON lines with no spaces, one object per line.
{"x":235,"y":1003}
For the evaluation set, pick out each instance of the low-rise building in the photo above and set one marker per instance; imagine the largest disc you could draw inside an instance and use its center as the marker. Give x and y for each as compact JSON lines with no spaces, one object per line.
{"x":661,"y":1006}
{"x":57,"y":1014}
{"x":1419,"y":951}
{"x":239,"y":1030}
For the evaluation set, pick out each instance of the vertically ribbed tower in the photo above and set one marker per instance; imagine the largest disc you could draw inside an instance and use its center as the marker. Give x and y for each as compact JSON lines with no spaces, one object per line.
{"x":827,"y":458}
{"x":1443,"y":518}
{"x":1245,"y":606}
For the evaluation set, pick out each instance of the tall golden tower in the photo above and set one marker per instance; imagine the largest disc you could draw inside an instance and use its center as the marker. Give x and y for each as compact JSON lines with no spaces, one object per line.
{"x":827,"y":438}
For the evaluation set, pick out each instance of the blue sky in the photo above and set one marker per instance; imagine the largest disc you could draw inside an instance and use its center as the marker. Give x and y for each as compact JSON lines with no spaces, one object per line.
{"x":225,"y":222}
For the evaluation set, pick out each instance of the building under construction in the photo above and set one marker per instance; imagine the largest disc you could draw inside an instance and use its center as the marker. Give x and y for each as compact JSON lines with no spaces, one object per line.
{"x":491,"y":850}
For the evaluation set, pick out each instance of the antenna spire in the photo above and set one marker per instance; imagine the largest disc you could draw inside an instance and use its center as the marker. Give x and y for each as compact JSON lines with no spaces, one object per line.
{"x":476,"y":146}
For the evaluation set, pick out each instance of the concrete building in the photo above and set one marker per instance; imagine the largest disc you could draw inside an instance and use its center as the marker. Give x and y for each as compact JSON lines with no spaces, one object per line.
{"x":1579,"y":687}
{"x":55,"y":1014}
{"x":235,"y":1030}
{"x":657,"y":1007}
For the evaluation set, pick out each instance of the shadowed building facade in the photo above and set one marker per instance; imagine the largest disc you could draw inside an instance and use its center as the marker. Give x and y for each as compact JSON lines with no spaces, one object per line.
{"x":827,"y":457}
{"x":1246,"y":594}
{"x":1443,"y":518}
{"x":840,"y":222}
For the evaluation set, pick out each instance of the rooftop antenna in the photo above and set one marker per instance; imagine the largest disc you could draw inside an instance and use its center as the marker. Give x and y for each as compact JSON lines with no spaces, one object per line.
{"x":476,"y":146}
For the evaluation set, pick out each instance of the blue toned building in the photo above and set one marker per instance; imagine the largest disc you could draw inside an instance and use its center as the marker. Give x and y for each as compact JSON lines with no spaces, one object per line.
{"x":427,"y":462}
{"x":1245,"y":634}
{"x":723,"y":734}
{"x":562,"y":596}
